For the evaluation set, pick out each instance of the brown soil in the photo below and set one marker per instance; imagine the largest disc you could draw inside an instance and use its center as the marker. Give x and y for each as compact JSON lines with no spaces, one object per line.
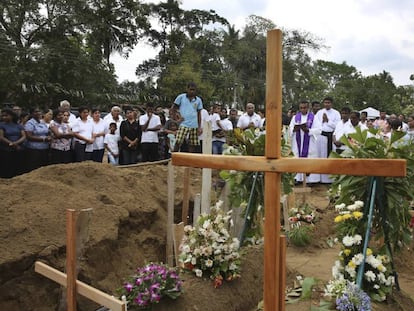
{"x":127,"y":229}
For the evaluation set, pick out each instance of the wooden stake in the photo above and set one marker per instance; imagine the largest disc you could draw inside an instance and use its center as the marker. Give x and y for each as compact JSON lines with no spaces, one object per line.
{"x":273,"y":284}
{"x":206,"y":172}
{"x":186,"y":196}
{"x":197,"y":208}
{"x":170,"y":214}
{"x":282,"y":271}
{"x":178,"y":237}
{"x":71,"y":258}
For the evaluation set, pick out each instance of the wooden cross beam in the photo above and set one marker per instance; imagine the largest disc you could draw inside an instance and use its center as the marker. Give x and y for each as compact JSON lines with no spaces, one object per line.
{"x":273,"y":165}
{"x":73,"y":286}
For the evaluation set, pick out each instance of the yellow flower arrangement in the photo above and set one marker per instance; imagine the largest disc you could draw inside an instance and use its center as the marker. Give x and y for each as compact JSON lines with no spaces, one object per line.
{"x":357,"y":215}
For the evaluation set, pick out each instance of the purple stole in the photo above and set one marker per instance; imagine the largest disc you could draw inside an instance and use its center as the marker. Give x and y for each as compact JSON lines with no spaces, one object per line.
{"x":303,"y":152}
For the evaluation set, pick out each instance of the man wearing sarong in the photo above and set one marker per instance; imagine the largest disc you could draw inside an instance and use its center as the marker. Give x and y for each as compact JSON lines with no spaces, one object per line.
{"x":305,"y":130}
{"x":328,"y":117}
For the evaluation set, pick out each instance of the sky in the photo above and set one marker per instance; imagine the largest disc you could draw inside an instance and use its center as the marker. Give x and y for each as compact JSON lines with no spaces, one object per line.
{"x":371,"y":35}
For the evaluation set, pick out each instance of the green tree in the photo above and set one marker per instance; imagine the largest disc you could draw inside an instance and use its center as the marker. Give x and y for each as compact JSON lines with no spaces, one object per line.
{"x":114,"y":26}
{"x":188,"y":50}
{"x":61,"y":48}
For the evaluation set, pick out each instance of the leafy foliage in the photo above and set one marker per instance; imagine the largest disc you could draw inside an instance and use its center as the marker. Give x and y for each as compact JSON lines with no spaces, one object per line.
{"x":391,"y":212}
{"x":247,"y":188}
{"x":300,"y":235}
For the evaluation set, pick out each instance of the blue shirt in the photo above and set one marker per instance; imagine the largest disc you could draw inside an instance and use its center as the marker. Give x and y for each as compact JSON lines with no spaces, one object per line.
{"x":11,"y":131}
{"x":38,"y":129}
{"x":189,"y":109}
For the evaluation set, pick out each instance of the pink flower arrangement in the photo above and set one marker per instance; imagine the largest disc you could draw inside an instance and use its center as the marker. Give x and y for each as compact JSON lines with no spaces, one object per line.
{"x":150,"y":284}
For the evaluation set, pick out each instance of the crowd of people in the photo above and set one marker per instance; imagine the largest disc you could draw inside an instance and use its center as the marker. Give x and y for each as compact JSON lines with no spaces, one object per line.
{"x":315,"y":132}
{"x":127,"y":136}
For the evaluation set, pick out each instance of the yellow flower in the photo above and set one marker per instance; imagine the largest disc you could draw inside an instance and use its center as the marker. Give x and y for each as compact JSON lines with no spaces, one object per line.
{"x":381,"y":268}
{"x":346,"y":216}
{"x":357,"y":215}
{"x":338,"y":218}
{"x":347,"y":252}
{"x":351,"y":264}
{"x":369,"y":252}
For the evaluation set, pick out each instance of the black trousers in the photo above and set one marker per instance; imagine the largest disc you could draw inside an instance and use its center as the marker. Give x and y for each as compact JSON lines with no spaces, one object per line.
{"x":150,"y":152}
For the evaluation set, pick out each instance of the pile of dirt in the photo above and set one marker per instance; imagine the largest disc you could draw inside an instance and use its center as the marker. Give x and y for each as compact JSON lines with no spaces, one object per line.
{"x":127,"y":228}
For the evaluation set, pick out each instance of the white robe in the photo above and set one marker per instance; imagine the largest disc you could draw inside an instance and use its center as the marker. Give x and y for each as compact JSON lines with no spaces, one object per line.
{"x":333,"y":118}
{"x":314,"y":133}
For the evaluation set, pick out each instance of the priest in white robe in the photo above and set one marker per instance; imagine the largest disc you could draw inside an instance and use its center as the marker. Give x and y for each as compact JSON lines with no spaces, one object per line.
{"x":328,"y":117}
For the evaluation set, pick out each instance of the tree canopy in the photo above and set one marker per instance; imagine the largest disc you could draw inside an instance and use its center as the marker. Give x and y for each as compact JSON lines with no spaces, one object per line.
{"x":61,"y":49}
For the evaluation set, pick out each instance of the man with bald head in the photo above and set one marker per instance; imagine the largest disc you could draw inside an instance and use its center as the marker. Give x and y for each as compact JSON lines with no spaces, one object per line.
{"x":249,"y":119}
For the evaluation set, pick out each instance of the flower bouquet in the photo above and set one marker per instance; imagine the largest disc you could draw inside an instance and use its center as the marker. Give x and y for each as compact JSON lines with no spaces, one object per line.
{"x":208,"y":249}
{"x":303,"y":213}
{"x":149,"y":285}
{"x":377,"y":278}
{"x":353,"y":298}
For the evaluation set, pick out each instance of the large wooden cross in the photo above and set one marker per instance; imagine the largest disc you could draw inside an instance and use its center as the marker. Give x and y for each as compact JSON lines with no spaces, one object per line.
{"x":273,"y":165}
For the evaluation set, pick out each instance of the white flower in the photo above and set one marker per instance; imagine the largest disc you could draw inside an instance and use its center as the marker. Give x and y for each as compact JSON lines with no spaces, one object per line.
{"x":198,"y":273}
{"x":188,"y":228}
{"x":348,"y":241}
{"x":357,"y":239}
{"x":382,"y":278}
{"x":209,"y":263}
{"x":193,"y":261}
{"x":358,"y":258}
{"x":340,"y":206}
{"x":207,"y":224}
{"x":373,"y":262}
{"x":360,"y":204}
{"x":233,"y":266}
{"x":219,"y":203}
{"x":370,"y":276}
{"x":376,"y":286}
{"x":337,"y":270}
{"x":351,"y":271}
{"x":352,"y":207}
{"x":185,"y":248}
{"x":390,"y":281}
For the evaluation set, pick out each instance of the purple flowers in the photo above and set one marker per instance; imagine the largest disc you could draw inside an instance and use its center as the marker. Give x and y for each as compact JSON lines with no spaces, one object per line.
{"x":353,"y":298}
{"x":150,"y":284}
{"x":128,"y":287}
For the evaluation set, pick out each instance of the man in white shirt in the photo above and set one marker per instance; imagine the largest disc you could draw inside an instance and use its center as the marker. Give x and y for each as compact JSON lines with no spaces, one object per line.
{"x":328,"y":117}
{"x":249,"y":119}
{"x":305,"y":130}
{"x":339,"y":130}
{"x":219,"y":135}
{"x":410,"y":123}
{"x":114,"y":116}
{"x":351,"y":126}
{"x":150,"y":125}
